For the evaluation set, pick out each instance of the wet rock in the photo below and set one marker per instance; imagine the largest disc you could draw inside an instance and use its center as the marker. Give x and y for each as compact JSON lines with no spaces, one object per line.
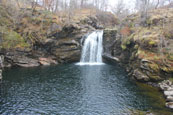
{"x":165,"y":85}
{"x":67,"y":55}
{"x":27,"y":62}
{"x":110,"y":58}
{"x":140,"y":76}
{"x":144,"y":64}
{"x":0,"y":74}
{"x":169,"y":105}
{"x":1,"y":61}
{"x":169,"y":99}
{"x":68,"y":43}
{"x":1,"y":65}
{"x":22,"y":61}
{"x":109,"y":38}
{"x":168,"y":93}
{"x":47,"y":61}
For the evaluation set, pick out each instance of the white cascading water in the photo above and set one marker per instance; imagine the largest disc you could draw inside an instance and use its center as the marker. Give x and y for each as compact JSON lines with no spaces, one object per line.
{"x":92,"y":49}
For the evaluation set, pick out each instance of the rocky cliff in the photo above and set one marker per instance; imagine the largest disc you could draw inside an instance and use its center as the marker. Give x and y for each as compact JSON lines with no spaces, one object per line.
{"x":39,"y":37}
{"x":145,"y":48}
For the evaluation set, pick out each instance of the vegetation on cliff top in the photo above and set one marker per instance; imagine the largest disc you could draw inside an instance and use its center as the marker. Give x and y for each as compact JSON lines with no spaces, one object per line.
{"x":153,"y":40}
{"x":22,"y":26}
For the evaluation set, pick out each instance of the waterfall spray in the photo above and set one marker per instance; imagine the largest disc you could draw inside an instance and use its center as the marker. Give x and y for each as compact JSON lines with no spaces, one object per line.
{"x":92,"y":49}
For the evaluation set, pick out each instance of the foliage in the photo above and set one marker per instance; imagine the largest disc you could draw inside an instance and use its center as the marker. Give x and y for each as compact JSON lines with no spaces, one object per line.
{"x":168,"y":31}
{"x":12,"y":40}
{"x":125,"y":31}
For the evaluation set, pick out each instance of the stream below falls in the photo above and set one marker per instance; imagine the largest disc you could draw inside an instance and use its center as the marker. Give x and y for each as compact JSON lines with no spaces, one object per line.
{"x":70,"y":89}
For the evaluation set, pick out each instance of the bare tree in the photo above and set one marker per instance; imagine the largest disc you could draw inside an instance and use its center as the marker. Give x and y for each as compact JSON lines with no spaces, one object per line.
{"x":120,"y":10}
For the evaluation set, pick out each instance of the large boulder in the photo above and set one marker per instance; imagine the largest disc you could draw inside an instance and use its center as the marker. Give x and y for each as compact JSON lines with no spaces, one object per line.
{"x":65,"y":49}
{"x":140,"y":76}
{"x":169,"y":105}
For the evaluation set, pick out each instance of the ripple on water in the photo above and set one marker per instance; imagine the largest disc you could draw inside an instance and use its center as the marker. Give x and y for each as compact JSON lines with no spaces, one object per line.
{"x":71,"y":89}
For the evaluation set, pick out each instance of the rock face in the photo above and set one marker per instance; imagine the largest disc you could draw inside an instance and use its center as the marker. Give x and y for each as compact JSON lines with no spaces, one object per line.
{"x":20,"y":59}
{"x":109,"y":39}
{"x":140,"y":76}
{"x":138,"y":47}
{"x":145,"y":49}
{"x":47,"y":61}
{"x":54,"y":43}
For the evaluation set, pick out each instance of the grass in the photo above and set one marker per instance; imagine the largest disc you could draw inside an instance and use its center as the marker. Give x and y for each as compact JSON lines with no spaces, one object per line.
{"x":12,"y":40}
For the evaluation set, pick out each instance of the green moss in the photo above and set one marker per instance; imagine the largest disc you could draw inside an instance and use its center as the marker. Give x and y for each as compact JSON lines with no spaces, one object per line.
{"x":170,"y":57}
{"x":154,"y":67}
{"x":155,"y":98}
{"x":131,"y":25}
{"x":155,"y":77}
{"x":126,"y":41}
{"x":123,"y":47}
{"x":152,"y":43}
{"x":167,"y":69}
{"x":136,"y":46}
{"x":11,"y":40}
{"x":4,"y":21}
{"x":171,"y":79}
{"x":134,"y":112}
{"x":148,"y":21}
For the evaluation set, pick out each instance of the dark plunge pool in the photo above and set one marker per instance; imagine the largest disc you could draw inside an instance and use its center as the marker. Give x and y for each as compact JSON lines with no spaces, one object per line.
{"x":75,"y":90}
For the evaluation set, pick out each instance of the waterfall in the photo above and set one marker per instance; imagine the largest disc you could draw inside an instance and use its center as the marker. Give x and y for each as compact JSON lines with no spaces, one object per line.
{"x":92,"y":49}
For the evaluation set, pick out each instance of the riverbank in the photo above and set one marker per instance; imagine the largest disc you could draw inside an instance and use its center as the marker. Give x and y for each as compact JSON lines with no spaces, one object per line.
{"x":144,"y":49}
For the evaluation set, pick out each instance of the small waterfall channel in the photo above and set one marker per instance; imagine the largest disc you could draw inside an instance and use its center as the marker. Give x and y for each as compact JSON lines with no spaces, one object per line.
{"x":92,"y":49}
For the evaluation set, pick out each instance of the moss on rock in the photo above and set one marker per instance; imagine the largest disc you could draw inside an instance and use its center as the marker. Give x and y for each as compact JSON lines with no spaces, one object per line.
{"x":12,"y":39}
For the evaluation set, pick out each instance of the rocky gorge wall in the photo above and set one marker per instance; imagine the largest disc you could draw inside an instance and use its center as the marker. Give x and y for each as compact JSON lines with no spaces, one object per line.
{"x":42,"y":38}
{"x":145,"y":49}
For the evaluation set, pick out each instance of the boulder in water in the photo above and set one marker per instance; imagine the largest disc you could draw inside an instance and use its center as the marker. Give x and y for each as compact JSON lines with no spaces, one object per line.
{"x":169,"y":105}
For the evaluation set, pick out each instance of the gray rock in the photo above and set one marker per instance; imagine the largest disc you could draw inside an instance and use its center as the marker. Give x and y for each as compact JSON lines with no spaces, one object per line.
{"x":169,"y":99}
{"x":140,"y":76}
{"x":169,"y":105}
{"x":168,"y":93}
{"x":166,"y":85}
{"x":170,"y":88}
{"x":110,"y":58}
{"x":109,"y":39}
{"x":47,"y":61}
{"x":25,"y":62}
{"x":1,"y":61}
{"x":0,"y":74}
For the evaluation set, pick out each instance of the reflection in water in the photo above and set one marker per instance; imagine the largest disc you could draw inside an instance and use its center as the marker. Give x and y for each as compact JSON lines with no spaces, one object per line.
{"x":71,"y":90}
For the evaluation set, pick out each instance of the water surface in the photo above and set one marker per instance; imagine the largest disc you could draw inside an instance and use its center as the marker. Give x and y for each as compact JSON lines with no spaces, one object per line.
{"x":73,"y":90}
